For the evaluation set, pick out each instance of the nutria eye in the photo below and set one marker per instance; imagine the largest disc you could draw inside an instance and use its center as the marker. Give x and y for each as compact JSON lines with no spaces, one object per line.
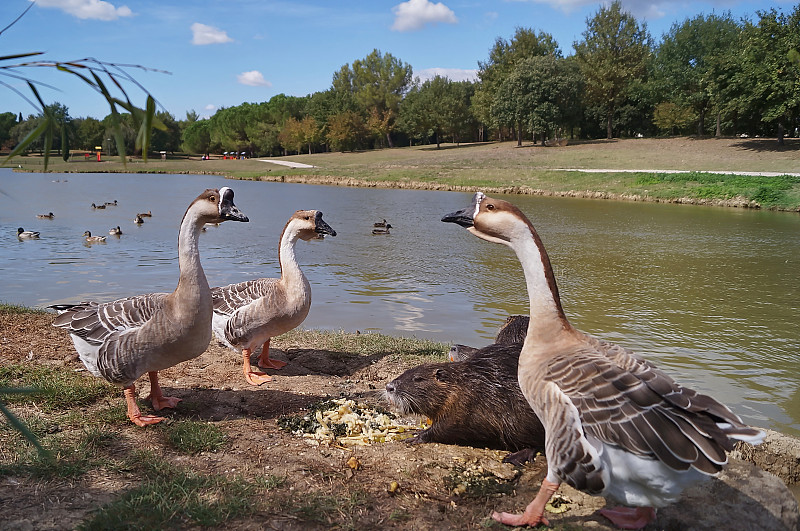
{"x":418,"y":378}
{"x":489,"y":207}
{"x":212,"y":198}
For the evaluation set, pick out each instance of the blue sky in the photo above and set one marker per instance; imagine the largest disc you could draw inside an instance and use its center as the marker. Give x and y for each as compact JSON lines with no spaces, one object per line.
{"x":222,"y":53}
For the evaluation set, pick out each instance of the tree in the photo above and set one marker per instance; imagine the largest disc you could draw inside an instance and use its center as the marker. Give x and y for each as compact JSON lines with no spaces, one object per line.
{"x":376,"y":83}
{"x":539,"y":95}
{"x":768,"y":84}
{"x":89,"y":133}
{"x":611,"y":56}
{"x":503,"y":56}
{"x":7,"y":121}
{"x":346,"y":131}
{"x":196,"y":138}
{"x":669,"y":116}
{"x":693,"y":65}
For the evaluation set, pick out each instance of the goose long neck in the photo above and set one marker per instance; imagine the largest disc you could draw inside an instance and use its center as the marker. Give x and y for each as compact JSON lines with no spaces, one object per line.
{"x":547,"y":315}
{"x":192,"y":283}
{"x":290,"y":269}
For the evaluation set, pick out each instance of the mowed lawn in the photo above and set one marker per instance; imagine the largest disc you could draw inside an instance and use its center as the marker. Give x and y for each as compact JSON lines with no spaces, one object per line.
{"x":505,"y":166}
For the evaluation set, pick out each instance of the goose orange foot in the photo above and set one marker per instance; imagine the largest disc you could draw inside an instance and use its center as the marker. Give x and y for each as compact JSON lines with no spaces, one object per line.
{"x":157,"y":398}
{"x":629,"y":517}
{"x":534,"y":512}
{"x":253,"y":377}
{"x":134,"y":414}
{"x":264,"y":360}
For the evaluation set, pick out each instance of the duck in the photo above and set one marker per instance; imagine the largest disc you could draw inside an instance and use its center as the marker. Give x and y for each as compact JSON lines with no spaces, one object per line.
{"x":98,"y":207}
{"x":121,"y":340}
{"x":111,"y":203}
{"x":23,"y":234}
{"x":248,"y":314}
{"x":138,"y":219}
{"x":115,"y":231}
{"x":46,"y":216}
{"x":382,"y":231}
{"x":380,"y":224}
{"x":148,"y":214}
{"x":93,"y":239}
{"x":617,"y":426}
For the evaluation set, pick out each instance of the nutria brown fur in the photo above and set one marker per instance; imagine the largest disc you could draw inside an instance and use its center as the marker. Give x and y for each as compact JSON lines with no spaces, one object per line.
{"x":512,"y":332}
{"x":474,"y":402}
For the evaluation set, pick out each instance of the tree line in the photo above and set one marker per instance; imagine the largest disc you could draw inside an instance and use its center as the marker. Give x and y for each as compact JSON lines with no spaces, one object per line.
{"x":709,"y":75}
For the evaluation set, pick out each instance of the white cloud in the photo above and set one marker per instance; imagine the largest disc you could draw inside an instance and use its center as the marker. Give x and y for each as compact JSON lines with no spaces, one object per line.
{"x":414,"y":14}
{"x":639,"y":8}
{"x":253,"y":78}
{"x":210,"y":107}
{"x":203,"y":34}
{"x":453,"y":74}
{"x":88,"y":9}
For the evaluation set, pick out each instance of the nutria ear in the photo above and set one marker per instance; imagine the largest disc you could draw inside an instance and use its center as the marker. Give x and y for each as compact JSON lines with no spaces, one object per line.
{"x":440,"y":375}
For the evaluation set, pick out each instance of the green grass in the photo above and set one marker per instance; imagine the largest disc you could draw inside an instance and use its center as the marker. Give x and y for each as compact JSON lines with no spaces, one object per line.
{"x":171,"y":497}
{"x":16,"y":309}
{"x":193,"y":437}
{"x":366,"y":345}
{"x":54,"y":389}
{"x":504,"y":166}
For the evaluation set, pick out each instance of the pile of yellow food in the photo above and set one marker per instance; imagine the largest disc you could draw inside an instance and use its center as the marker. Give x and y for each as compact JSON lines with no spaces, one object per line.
{"x":348,"y":423}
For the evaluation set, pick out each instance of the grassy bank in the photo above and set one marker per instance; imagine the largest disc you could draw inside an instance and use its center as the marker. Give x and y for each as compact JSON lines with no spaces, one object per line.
{"x":504,"y":167}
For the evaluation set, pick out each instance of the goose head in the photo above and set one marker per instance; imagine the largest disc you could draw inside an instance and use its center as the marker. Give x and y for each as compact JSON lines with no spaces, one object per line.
{"x":216,"y":206}
{"x":493,"y":220}
{"x":308,"y":225}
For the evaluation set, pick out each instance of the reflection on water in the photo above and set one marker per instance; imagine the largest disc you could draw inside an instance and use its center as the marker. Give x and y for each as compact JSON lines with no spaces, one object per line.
{"x":708,"y":294}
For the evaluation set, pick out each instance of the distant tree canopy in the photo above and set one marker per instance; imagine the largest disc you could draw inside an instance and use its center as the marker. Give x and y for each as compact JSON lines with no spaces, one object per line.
{"x":746,"y":75}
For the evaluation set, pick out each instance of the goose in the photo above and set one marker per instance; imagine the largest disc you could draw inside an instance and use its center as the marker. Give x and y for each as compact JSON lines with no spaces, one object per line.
{"x":23,"y":234}
{"x":616,"y":425}
{"x":382,"y":231}
{"x":115,"y":231}
{"x":249,"y":313}
{"x":100,"y":206}
{"x":380,"y":224}
{"x":138,"y":219}
{"x":121,"y":340}
{"x":46,"y":216}
{"x":93,"y":239}
{"x":148,"y":214}
{"x":111,"y":203}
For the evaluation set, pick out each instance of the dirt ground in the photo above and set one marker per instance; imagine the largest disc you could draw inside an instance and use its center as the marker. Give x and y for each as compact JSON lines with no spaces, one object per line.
{"x":213,"y":389}
{"x":326,"y":486}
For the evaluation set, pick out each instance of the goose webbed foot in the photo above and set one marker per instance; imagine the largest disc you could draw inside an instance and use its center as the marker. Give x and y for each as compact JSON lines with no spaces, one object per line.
{"x":534,"y":512}
{"x":264,"y":360}
{"x":253,"y":377}
{"x":157,"y":397}
{"x":134,"y":414}
{"x":629,"y":517}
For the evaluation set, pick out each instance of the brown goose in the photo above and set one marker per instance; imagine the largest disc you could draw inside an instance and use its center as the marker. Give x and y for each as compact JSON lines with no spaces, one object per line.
{"x":123,"y":339}
{"x":616,"y":425}
{"x":249,"y":313}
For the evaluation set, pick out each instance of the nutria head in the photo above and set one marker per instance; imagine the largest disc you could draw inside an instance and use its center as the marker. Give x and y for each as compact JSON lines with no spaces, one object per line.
{"x":424,"y":390}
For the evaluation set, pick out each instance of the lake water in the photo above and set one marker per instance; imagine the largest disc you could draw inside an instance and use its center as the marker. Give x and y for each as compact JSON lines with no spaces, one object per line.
{"x":708,"y":294}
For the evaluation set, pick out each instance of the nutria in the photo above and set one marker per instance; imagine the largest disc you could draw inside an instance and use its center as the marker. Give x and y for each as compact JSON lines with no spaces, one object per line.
{"x":475,"y":402}
{"x":512,"y":332}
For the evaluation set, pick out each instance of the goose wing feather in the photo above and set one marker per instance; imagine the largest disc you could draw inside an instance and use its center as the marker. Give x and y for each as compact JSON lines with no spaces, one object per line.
{"x":94,"y":322}
{"x":228,"y":299}
{"x":621,"y":400}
